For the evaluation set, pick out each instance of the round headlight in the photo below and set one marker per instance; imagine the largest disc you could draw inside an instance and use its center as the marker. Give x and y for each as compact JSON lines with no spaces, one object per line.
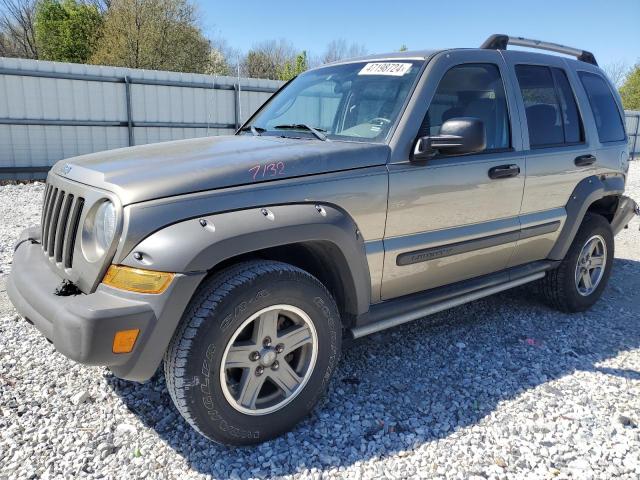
{"x":104,"y":226}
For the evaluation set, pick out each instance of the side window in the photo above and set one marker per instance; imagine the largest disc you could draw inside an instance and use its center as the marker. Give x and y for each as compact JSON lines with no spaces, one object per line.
{"x":550,"y":106}
{"x":604,"y":108}
{"x":571,"y":122}
{"x":471,"y":90}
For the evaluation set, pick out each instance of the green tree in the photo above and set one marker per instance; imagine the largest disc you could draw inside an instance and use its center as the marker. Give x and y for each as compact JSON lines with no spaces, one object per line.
{"x":293,"y":69}
{"x":403,"y":48}
{"x":153,"y":34}
{"x":66,"y":31}
{"x":630,"y":90}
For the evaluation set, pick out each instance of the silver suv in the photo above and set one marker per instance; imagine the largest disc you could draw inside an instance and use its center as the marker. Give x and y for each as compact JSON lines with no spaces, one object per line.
{"x":364,"y":194}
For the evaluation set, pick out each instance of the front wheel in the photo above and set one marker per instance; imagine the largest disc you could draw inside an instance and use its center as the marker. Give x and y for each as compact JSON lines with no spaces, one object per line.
{"x":582,"y":276}
{"x":254,"y":352}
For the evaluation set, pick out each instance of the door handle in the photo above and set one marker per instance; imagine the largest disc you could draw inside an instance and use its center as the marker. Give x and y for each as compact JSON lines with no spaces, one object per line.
{"x":504,"y":171}
{"x":584,"y":160}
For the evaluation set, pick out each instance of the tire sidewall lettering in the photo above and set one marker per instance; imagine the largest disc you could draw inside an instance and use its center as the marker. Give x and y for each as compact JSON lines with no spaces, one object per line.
{"x":209,"y":373}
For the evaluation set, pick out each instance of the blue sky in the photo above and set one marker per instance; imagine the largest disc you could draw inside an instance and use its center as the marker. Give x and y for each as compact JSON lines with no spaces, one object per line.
{"x":610,"y":28}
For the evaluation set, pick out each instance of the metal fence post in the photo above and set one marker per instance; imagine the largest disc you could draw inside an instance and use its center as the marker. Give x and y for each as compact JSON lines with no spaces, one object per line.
{"x":236,"y":89}
{"x":127,"y":89}
{"x":634,"y":152}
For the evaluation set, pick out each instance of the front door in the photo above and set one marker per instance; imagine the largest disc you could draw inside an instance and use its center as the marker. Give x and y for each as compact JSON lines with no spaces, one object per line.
{"x":449,"y":218}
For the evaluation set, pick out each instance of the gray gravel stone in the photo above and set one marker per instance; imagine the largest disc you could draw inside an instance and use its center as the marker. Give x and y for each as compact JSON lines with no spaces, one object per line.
{"x":501,"y":388}
{"x":80,"y":397}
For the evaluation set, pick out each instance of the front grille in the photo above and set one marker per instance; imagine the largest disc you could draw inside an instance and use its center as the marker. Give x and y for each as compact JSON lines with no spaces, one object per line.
{"x":60,"y":219}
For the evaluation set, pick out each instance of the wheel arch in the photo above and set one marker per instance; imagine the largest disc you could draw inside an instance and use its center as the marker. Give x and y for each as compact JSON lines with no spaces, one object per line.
{"x":596,"y":194}
{"x":605,"y":206}
{"x":321,"y":239}
{"x":322,"y":259}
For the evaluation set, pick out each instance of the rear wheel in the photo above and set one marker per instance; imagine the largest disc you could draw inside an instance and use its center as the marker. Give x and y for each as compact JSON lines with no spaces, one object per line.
{"x":584,"y":272}
{"x":254,"y":352}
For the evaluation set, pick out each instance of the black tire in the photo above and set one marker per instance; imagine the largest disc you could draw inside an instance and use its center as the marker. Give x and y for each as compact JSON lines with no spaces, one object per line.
{"x":217,"y":310}
{"x":559,"y":287}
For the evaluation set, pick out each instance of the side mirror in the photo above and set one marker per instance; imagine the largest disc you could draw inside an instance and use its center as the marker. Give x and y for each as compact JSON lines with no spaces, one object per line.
{"x":457,"y":136}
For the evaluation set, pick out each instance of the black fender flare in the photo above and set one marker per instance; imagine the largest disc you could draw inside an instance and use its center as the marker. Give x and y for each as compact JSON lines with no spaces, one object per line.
{"x":200,"y":244}
{"x":589,"y":190}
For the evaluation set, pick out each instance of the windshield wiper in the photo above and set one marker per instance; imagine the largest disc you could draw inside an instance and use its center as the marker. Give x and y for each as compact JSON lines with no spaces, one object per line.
{"x":317,"y":132}
{"x":256,"y":131}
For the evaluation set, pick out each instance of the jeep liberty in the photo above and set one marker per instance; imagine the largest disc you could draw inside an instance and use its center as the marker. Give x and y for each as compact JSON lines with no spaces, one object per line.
{"x":364,"y":194}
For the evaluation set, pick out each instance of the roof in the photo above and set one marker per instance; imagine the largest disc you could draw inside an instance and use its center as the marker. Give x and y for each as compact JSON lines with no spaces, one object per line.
{"x":494,"y":42}
{"x":407,"y":55}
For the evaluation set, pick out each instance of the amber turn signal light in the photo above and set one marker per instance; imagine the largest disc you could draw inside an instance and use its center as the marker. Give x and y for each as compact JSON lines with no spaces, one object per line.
{"x":124,"y":340}
{"x":137,"y":280}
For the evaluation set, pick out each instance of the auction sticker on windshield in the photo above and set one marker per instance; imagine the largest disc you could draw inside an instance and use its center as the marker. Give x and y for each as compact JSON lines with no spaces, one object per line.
{"x":386,"y":68}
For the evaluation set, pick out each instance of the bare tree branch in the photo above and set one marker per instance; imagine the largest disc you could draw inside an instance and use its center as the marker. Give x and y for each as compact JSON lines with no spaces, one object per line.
{"x":617,"y":72}
{"x":17,"y":33}
{"x":340,"y":50}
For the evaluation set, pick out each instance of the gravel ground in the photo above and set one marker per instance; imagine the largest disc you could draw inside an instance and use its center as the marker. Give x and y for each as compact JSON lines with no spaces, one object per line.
{"x":501,"y":388}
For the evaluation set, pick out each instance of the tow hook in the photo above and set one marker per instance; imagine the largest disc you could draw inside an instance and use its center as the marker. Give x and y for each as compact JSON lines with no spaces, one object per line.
{"x":67,"y":289}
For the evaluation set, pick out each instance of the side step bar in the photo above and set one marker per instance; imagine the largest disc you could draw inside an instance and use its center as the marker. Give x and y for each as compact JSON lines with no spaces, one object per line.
{"x":436,"y":307}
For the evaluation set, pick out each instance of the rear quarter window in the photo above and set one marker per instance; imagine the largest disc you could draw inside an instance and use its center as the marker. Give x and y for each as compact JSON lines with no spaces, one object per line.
{"x":604,"y":108}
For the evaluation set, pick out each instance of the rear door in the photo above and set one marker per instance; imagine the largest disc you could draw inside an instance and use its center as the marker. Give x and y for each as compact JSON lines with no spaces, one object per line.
{"x":448,"y":220}
{"x":559,"y":151}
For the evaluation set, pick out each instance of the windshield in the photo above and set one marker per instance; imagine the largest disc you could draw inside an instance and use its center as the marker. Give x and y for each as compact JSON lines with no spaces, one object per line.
{"x":356,"y":101}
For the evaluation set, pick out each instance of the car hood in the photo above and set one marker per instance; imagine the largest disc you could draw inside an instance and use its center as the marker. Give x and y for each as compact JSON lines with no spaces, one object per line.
{"x":161,"y":170}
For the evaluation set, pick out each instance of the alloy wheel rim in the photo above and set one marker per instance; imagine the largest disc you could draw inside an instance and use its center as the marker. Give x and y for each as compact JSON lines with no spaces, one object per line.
{"x":591,"y":265}
{"x":269,"y":360}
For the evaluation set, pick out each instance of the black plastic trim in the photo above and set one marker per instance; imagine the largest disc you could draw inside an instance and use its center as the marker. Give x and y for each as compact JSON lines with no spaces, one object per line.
{"x":501,"y":42}
{"x":496,"y":42}
{"x":537,"y":230}
{"x":440,"y":156}
{"x":556,"y":145}
{"x":589,"y":190}
{"x":432,"y":253}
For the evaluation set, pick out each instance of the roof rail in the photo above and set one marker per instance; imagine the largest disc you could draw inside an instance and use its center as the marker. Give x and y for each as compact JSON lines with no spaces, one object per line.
{"x":500,"y":42}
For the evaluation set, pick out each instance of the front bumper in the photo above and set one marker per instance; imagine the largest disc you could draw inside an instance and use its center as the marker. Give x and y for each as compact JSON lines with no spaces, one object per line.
{"x":82,"y":327}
